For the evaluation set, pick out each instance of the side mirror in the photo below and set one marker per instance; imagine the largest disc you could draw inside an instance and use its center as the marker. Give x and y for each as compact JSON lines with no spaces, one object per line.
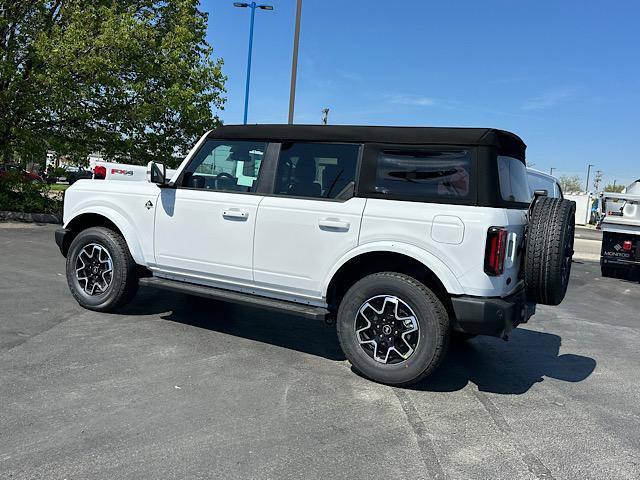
{"x":156,"y":173}
{"x":540,"y":193}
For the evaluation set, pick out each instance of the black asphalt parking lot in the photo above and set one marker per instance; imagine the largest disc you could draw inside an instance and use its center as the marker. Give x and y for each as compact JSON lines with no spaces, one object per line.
{"x":176,"y":387}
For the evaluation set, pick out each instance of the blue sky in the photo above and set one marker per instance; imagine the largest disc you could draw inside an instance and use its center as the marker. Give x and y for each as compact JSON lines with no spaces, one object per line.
{"x":564,"y":75}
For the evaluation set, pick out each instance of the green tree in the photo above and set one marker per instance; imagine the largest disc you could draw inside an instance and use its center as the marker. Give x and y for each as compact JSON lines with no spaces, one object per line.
{"x":571,"y":183}
{"x":132,"y":79}
{"x":613,"y":188}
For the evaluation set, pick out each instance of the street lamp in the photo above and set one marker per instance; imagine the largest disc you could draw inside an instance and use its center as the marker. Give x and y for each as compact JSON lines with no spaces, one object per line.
{"x":252,"y":6}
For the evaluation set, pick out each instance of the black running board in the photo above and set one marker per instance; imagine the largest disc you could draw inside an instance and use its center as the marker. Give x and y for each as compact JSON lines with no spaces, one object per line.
{"x":292,"y":308}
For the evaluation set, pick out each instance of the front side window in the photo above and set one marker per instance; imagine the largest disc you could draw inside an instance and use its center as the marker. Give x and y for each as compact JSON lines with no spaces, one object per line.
{"x":514,"y":184}
{"x":317,"y":170}
{"x":227,"y":165}
{"x":424,"y":174}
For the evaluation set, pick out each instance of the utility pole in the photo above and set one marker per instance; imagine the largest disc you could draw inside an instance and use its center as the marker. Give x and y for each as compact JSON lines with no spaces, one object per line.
{"x":551,"y":170}
{"x":294,"y":62}
{"x":588,"y":175}
{"x":596,"y":180}
{"x":325,"y":116}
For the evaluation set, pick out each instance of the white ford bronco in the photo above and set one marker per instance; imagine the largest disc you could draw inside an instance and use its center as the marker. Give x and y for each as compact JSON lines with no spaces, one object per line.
{"x":403,"y":236}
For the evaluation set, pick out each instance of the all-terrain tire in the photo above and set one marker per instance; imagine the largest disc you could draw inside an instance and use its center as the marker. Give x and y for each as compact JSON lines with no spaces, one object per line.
{"x":123,"y":283}
{"x":430,"y":314}
{"x":549,"y":250}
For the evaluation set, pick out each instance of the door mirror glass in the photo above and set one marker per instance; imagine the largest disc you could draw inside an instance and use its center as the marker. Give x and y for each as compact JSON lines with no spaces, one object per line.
{"x":156,"y":173}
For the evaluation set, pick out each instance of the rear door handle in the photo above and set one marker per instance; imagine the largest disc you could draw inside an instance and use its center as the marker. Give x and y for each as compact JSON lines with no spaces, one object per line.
{"x":235,"y":214}
{"x":333,"y":224}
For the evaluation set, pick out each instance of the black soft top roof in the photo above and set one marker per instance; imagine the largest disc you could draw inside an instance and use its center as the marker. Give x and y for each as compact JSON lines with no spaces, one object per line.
{"x":506,"y":142}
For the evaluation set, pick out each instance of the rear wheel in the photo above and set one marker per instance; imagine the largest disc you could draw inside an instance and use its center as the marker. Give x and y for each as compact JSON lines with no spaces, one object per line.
{"x":392,"y":328}
{"x":100,"y":271}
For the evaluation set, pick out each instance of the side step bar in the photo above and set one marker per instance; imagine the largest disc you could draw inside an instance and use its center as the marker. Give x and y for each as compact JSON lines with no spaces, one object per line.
{"x":308,"y":311}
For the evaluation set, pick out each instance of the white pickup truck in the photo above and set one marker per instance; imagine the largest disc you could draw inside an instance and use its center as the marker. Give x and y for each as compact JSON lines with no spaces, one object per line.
{"x":620,"y":255}
{"x":122,"y":171}
{"x":403,"y":236}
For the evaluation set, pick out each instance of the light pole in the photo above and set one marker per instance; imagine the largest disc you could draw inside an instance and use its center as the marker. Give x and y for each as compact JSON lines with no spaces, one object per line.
{"x":551,"y":171}
{"x":252,"y":6}
{"x":294,"y":62}
{"x":588,"y":175}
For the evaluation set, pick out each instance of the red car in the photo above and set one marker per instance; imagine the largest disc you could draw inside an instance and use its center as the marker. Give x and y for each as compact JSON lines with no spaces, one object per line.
{"x":26,"y":176}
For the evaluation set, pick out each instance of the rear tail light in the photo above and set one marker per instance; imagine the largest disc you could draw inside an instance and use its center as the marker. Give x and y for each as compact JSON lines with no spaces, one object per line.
{"x":495,"y":251}
{"x":627,"y":245}
{"x":100,"y":172}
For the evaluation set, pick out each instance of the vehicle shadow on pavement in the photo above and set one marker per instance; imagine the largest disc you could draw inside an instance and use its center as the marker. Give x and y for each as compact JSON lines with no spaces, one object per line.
{"x":275,"y":328}
{"x":511,"y":367}
{"x":492,"y":364}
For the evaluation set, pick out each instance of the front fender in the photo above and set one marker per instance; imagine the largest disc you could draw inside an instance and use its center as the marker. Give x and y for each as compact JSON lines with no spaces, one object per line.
{"x":123,"y":224}
{"x":437,"y":266}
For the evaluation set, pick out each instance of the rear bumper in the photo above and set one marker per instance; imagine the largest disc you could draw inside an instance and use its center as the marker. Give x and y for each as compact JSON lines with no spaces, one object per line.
{"x":62,"y":236}
{"x":613,"y":253}
{"x":619,"y":262}
{"x":491,"y":316}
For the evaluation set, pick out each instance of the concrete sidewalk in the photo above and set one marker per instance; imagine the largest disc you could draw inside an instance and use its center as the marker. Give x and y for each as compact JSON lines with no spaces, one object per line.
{"x":587,"y":244}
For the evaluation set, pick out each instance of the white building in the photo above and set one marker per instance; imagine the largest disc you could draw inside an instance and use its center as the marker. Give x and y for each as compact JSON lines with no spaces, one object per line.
{"x":54,"y":161}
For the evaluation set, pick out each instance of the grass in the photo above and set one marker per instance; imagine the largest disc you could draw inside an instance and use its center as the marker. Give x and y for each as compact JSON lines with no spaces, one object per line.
{"x":59,"y":187}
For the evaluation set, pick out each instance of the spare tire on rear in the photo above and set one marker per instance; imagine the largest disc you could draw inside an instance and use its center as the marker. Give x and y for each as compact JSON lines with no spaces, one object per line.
{"x":549,"y":249}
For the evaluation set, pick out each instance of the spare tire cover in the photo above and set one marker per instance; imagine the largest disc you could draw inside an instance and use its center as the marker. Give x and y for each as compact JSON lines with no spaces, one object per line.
{"x":549,"y":250}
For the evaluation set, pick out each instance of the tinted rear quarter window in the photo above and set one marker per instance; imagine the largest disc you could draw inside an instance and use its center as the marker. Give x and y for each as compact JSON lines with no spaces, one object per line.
{"x":514,"y":185}
{"x":424,"y":174}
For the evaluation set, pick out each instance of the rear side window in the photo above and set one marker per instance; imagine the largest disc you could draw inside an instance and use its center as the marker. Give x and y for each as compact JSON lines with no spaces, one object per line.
{"x":514,"y":185}
{"x":317,"y":170}
{"x":420,"y":174}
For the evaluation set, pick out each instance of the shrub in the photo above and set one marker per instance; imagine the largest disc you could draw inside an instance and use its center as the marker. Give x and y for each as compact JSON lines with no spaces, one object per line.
{"x":57,"y":172}
{"x":20,"y":195}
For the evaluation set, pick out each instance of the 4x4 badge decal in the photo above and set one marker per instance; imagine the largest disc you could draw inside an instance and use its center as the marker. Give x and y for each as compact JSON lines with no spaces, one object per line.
{"x":148,"y":204}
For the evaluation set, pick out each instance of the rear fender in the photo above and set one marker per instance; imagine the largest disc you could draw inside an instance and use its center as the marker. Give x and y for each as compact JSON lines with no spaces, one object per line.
{"x":437,"y":266}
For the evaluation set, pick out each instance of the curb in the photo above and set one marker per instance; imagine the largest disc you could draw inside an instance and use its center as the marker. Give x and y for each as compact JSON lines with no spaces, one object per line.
{"x":29,"y":217}
{"x":586,"y":257}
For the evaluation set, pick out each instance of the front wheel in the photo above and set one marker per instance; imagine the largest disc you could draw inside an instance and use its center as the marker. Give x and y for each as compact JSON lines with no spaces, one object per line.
{"x":392,"y":328}
{"x":100,"y":271}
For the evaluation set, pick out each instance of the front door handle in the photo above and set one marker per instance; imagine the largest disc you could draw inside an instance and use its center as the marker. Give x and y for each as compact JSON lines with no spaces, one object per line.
{"x":235,"y":214}
{"x":333,"y":224}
